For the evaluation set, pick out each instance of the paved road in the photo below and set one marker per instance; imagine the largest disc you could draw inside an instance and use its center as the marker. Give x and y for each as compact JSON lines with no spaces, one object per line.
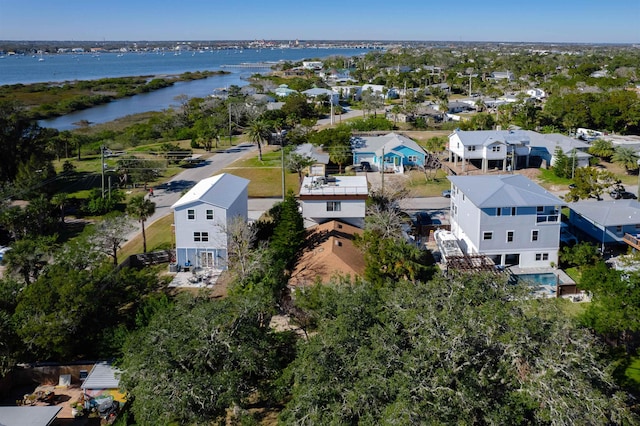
{"x":168,"y":193}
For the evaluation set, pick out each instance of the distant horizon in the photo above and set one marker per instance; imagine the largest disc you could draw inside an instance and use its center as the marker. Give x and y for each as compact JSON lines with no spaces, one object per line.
{"x":300,"y":40}
{"x":497,"y":21}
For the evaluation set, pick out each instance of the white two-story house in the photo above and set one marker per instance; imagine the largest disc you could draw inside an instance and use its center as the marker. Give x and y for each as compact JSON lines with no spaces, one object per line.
{"x":504,"y":150}
{"x":202,"y":217}
{"x":328,"y":198}
{"x":509,"y":218}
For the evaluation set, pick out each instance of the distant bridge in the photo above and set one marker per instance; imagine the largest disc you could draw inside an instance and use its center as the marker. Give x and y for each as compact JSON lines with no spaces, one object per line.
{"x":250,"y":65}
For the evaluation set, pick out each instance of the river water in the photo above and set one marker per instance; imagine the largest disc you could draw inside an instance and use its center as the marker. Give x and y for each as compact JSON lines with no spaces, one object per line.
{"x":68,"y":67}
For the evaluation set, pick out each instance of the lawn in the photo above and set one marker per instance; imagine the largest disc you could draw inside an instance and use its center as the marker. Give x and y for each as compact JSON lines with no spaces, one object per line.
{"x":159,"y":237}
{"x":632,"y":373}
{"x":430,"y":184}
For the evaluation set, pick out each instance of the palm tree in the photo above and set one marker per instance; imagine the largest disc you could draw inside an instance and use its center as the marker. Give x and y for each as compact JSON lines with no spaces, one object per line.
{"x":626,"y":157}
{"x":259,"y":132}
{"x":59,"y":200}
{"x":602,"y":149}
{"x":141,"y":209}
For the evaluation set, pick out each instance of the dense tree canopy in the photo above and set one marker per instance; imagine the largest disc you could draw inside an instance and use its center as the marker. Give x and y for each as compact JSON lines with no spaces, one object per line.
{"x":199,"y":358}
{"x":21,"y":141}
{"x":466,"y":350}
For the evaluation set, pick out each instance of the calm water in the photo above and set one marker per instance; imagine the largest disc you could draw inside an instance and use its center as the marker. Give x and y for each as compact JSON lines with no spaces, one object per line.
{"x":66,"y":67}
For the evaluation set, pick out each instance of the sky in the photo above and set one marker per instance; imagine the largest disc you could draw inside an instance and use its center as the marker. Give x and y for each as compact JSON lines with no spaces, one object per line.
{"x":581,"y":21}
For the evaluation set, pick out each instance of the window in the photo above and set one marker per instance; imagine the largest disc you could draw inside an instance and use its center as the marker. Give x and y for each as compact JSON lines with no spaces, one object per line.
{"x":534,"y":235}
{"x":471,"y":148}
{"x":542,"y":256}
{"x":209,"y":214}
{"x":191,"y":214}
{"x":618,"y":229}
{"x":539,"y":209}
{"x":495,"y":149}
{"x":487,"y":235}
{"x":412,"y":158}
{"x":333,"y":206}
{"x":200,"y":236}
{"x":509,"y":236}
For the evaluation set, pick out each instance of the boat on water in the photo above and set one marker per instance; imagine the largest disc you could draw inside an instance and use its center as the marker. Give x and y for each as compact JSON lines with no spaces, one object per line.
{"x":447,"y":244}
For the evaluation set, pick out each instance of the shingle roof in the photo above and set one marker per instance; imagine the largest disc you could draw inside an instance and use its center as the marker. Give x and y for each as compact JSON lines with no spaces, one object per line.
{"x":328,"y":251}
{"x":220,"y":190}
{"x":102,"y":376}
{"x":504,"y":191}
{"x":609,"y":213}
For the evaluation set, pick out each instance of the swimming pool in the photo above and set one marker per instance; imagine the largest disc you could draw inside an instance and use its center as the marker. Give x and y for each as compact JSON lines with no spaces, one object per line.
{"x":545,"y":279}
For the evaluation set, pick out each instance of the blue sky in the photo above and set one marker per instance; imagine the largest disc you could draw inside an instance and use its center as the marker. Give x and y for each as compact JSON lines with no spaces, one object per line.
{"x":585,"y":21}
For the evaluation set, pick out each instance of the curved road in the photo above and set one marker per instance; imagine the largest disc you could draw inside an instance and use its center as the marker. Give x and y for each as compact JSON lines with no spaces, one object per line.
{"x":166,"y":194}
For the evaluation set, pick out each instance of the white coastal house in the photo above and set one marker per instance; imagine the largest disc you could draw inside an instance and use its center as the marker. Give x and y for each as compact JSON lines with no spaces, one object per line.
{"x":202,"y":216}
{"x":316,"y":93}
{"x":380,"y":90}
{"x":504,"y":150}
{"x":509,"y":150}
{"x":508,"y":218}
{"x":334,"y":198}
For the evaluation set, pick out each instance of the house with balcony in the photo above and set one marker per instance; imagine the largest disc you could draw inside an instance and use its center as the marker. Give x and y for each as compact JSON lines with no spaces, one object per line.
{"x":607,"y":222}
{"x":489,"y":149}
{"x":201,"y":218}
{"x":391,"y":152}
{"x":334,"y":198}
{"x":508,"y":218}
{"x":509,"y":150}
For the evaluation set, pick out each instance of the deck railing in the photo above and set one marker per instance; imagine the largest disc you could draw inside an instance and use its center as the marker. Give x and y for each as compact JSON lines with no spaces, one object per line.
{"x":633,"y":241}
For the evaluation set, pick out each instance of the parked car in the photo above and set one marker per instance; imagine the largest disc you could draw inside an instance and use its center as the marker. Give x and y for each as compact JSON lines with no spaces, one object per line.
{"x":446,"y":193}
{"x":617,"y":195}
{"x":365,"y":166}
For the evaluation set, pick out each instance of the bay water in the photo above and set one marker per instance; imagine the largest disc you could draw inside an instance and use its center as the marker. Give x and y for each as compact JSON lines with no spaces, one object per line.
{"x":58,"y":68}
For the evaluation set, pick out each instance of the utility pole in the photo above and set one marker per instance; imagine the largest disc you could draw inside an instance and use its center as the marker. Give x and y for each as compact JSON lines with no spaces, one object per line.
{"x":282,"y":159}
{"x":382,"y":169}
{"x":331,"y":102}
{"x":229,"y":107}
{"x":102,"y":167}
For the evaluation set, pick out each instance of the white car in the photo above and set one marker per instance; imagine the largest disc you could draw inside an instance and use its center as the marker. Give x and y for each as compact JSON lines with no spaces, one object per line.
{"x":3,"y":250}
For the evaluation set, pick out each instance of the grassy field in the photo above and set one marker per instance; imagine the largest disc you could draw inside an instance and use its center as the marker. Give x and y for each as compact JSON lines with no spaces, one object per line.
{"x":265,"y":176}
{"x":159,"y":237}
{"x":431,"y":184}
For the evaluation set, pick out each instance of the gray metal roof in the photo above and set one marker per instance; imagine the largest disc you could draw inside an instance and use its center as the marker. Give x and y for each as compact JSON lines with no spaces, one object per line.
{"x":220,"y":190}
{"x":549,"y":141}
{"x":28,"y":416}
{"x":504,"y":191}
{"x":609,"y":213}
{"x":314,"y":152}
{"x":102,"y":376}
{"x":389,"y":142}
